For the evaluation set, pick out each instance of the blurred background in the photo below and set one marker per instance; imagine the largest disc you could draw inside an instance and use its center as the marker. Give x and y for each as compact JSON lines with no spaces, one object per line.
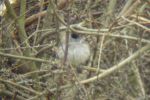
{"x":116,"y":31}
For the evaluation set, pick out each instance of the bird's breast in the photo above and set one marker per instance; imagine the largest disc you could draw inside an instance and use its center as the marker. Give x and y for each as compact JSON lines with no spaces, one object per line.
{"x":78,"y":53}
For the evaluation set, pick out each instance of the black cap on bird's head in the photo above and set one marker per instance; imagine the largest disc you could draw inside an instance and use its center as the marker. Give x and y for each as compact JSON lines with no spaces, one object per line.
{"x":1,"y":1}
{"x":74,"y":36}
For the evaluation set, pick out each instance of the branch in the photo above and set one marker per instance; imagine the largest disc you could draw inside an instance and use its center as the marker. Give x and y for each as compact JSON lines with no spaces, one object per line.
{"x":25,"y":58}
{"x":118,"y":66}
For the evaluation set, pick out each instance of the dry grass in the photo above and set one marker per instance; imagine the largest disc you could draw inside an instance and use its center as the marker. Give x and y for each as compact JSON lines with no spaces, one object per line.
{"x":119,"y":37}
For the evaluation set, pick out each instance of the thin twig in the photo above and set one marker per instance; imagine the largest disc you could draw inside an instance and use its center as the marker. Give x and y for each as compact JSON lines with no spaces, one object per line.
{"x":25,"y":58}
{"x":136,"y":23}
{"x":19,"y":86}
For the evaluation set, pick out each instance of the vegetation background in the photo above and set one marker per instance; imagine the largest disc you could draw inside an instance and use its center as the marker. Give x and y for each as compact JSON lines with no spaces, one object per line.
{"x":118,"y":32}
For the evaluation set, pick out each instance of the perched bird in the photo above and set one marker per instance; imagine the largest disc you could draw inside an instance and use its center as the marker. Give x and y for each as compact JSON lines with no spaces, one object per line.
{"x":78,"y":50}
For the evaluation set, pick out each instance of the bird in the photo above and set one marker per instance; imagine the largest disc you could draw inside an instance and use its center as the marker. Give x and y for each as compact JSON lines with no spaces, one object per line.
{"x":78,"y":50}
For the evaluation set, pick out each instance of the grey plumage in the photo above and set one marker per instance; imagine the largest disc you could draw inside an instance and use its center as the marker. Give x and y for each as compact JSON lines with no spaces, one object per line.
{"x":78,"y":51}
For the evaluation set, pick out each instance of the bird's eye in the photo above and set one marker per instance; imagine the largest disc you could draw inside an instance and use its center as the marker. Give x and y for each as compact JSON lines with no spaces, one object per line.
{"x":74,"y":36}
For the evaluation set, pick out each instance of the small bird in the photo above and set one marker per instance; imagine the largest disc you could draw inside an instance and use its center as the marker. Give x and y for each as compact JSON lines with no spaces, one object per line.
{"x":78,"y":50}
